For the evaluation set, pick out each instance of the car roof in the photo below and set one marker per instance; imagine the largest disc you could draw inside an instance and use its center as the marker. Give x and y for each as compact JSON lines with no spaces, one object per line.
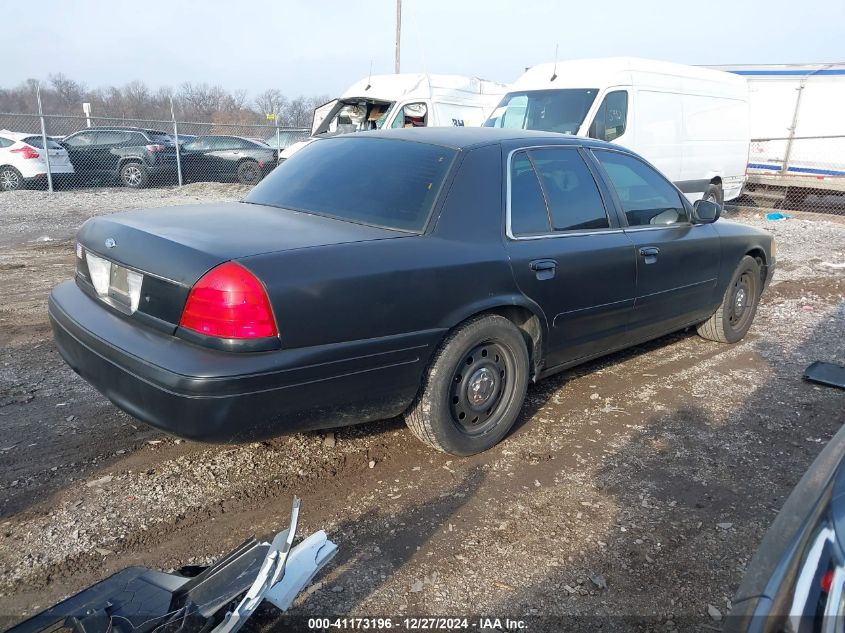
{"x":467,"y":137}
{"x":119,"y":128}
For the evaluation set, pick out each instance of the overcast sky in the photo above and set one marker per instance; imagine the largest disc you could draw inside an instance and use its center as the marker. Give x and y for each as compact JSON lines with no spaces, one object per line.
{"x":308,"y":47}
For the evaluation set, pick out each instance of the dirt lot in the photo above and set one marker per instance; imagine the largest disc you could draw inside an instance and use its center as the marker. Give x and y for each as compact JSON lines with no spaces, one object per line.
{"x":655,"y":471}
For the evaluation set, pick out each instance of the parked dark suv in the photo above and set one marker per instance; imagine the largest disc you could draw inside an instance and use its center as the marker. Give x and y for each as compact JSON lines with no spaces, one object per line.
{"x":135,"y":156}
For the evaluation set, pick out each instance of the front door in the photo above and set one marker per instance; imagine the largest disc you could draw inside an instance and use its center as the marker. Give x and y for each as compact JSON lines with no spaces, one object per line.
{"x":677,"y":262}
{"x":568,"y":254}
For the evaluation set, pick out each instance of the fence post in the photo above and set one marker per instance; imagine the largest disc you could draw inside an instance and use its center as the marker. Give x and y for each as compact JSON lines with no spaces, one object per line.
{"x":176,"y":140}
{"x":44,"y":139}
{"x":278,"y":143}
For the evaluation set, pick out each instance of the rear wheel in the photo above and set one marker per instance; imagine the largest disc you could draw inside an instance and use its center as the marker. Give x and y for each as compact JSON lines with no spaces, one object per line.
{"x":249,"y":173}
{"x":733,"y":318}
{"x":134,"y":175}
{"x":10,"y":179}
{"x":474,"y":388}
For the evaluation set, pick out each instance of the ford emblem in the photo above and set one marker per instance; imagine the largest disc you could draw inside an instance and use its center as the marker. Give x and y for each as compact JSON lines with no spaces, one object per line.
{"x":110,"y":243}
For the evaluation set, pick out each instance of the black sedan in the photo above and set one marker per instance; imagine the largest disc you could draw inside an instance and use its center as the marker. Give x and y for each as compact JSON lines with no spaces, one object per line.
{"x":427,"y":272}
{"x":225,"y":158}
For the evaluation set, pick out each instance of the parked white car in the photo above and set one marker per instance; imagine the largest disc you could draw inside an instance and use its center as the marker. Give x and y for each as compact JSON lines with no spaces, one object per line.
{"x":405,"y":100}
{"x":22,"y":160}
{"x":691,"y":123}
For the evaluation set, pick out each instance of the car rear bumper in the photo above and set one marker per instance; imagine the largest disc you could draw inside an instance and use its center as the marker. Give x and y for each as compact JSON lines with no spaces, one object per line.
{"x":215,"y":396}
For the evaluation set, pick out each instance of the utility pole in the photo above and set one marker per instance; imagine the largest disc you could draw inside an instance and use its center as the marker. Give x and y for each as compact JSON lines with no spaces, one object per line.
{"x":398,"y":34}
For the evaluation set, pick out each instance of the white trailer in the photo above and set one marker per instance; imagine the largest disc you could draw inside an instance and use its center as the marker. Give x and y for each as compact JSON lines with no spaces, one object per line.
{"x":405,"y":100}
{"x":690,"y":122}
{"x":797,"y":131}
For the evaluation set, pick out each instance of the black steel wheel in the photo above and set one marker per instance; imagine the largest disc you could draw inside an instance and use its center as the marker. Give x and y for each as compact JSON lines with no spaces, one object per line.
{"x":733,"y":318}
{"x":249,"y":173}
{"x":474,"y":387}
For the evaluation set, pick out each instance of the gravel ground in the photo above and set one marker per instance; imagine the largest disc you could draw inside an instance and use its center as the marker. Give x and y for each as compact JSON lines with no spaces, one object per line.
{"x":638,"y":484}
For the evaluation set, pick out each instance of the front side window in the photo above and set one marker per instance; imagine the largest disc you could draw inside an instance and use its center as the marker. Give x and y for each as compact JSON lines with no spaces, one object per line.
{"x":611,"y":117}
{"x":562,"y":110}
{"x":647,"y":197}
{"x":395,"y":185}
{"x":83,"y":139}
{"x":411,"y":115}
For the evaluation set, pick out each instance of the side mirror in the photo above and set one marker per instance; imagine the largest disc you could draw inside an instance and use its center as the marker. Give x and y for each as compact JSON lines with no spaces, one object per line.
{"x":705,"y":212}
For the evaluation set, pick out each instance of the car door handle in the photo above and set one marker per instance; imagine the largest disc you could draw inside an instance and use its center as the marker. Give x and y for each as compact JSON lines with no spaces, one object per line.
{"x":544,"y":268}
{"x":649,"y":253}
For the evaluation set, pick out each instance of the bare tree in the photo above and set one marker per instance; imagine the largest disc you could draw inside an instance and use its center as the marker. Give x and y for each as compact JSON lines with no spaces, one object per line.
{"x":271,"y":101}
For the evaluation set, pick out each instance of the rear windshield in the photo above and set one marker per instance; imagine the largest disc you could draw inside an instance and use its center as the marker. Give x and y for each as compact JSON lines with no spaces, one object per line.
{"x":35,"y":141}
{"x":161,"y":138}
{"x":376,"y":181}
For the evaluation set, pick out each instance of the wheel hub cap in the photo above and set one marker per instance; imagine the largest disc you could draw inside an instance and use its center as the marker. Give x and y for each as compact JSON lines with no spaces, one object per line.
{"x":481,"y":387}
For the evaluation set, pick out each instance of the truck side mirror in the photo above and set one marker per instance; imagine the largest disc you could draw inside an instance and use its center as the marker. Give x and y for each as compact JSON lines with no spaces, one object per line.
{"x":705,"y":212}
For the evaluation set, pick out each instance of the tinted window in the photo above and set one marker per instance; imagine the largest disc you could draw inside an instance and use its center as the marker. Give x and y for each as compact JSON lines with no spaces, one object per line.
{"x":161,"y":138}
{"x":528,"y":207}
{"x":113,"y":137}
{"x":83,"y":139}
{"x":611,"y":117}
{"x":376,"y":181}
{"x":561,"y":110}
{"x":647,"y":197}
{"x":570,"y":189}
{"x":37,"y":142}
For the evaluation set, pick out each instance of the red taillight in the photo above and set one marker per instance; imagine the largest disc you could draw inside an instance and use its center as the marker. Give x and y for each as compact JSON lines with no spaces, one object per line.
{"x":155,"y":148}
{"x":229,"y":302}
{"x":26,"y":152}
{"x":826,"y":581}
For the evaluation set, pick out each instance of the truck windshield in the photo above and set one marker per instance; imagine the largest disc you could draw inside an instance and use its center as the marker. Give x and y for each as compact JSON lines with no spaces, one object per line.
{"x":560,"y":110}
{"x":376,"y":181}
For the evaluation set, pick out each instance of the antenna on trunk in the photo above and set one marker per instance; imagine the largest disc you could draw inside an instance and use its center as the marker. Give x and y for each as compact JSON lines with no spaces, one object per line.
{"x":554,"y":70}
{"x":369,"y":77}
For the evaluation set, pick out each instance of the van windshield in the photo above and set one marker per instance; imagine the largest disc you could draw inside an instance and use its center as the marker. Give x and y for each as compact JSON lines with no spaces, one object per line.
{"x":560,"y":110}
{"x":354,"y":115}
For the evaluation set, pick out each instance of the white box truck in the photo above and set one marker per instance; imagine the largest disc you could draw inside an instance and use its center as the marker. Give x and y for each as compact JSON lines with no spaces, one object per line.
{"x":690,"y":122}
{"x":404,"y":100}
{"x":797,"y":132}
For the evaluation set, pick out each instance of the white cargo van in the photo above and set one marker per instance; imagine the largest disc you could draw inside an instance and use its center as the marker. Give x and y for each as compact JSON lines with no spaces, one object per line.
{"x":405,"y":100}
{"x":691,"y":123}
{"x":797,"y":133}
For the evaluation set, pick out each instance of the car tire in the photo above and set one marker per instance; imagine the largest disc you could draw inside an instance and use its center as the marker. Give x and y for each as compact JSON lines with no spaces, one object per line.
{"x":716,"y":194}
{"x":134,"y":175}
{"x":733,"y":318}
{"x":473,"y":389}
{"x":10,"y":179}
{"x":249,"y":173}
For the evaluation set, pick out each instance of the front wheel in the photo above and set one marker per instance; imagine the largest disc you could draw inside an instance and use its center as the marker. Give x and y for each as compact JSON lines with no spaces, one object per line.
{"x":715,"y":193}
{"x":473,"y":389}
{"x":249,"y":173}
{"x":134,"y":175}
{"x":733,"y":318}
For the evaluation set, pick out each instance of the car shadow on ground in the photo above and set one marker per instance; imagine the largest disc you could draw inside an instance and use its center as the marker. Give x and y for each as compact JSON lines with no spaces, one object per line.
{"x":680,"y":517}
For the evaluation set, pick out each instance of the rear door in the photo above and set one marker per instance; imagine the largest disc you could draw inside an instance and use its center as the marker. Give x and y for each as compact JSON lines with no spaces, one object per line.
{"x":677,"y":262}
{"x":568,"y":252}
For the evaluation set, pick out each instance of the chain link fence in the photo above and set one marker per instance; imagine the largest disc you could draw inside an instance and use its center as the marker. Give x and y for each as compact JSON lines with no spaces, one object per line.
{"x":66,"y":152}
{"x":796,"y":174}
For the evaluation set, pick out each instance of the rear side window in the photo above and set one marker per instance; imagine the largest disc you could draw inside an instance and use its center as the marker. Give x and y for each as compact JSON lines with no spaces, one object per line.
{"x":647,"y":197}
{"x":529,"y":213}
{"x":83,"y":139}
{"x":572,"y":194}
{"x":375,"y":181}
{"x":552,"y":189}
{"x":37,"y":142}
